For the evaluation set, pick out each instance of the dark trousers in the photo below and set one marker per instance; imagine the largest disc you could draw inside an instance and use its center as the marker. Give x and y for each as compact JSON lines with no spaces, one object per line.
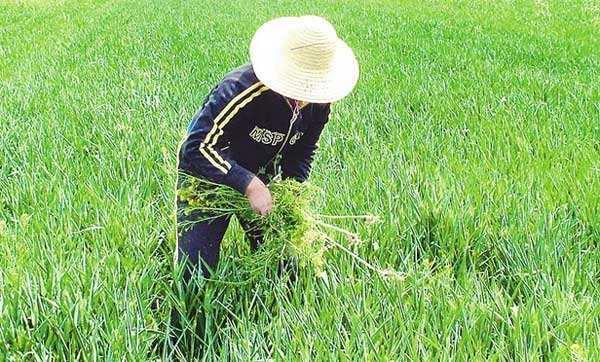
{"x":199,"y":244}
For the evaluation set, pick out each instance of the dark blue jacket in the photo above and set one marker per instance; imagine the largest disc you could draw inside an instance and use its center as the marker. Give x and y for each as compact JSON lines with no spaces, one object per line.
{"x":245,"y":129}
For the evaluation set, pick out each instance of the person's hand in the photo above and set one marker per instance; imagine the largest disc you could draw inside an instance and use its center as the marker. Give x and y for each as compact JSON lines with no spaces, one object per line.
{"x":259,"y":196}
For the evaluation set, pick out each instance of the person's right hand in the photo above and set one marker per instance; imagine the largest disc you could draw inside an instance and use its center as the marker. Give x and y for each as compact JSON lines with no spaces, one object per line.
{"x":259,"y":196}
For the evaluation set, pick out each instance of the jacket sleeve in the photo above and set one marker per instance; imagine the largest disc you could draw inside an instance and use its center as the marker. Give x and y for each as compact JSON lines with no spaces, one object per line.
{"x":201,"y":153}
{"x":297,"y":163}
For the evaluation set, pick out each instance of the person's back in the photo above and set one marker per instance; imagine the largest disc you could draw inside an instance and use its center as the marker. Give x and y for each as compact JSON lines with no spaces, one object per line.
{"x":257,"y":120}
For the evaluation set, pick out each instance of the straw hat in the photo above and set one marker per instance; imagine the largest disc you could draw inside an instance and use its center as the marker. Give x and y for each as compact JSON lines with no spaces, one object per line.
{"x":302,"y":58}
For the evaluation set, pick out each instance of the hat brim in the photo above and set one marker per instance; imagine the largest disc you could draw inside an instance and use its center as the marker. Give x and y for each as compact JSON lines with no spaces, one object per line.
{"x":284,"y":77}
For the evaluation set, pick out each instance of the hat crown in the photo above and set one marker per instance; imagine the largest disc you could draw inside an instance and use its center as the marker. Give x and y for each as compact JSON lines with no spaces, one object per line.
{"x":311,"y":44}
{"x":303,"y":58}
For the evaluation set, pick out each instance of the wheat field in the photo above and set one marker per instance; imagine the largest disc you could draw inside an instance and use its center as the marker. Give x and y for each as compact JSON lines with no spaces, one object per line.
{"x":473,"y":133}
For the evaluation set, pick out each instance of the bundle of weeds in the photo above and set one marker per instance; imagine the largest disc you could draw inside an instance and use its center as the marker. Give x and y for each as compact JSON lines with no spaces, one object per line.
{"x":293,"y":232}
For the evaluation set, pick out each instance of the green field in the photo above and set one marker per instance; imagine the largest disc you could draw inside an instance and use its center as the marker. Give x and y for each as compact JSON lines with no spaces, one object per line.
{"x":474,"y":133}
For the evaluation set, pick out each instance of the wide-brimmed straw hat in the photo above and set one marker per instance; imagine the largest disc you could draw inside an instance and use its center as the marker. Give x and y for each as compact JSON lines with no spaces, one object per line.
{"x":302,"y":58}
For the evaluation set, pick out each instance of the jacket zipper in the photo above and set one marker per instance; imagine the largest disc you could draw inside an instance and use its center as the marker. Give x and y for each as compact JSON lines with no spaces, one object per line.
{"x":287,"y":136}
{"x":295,"y":114}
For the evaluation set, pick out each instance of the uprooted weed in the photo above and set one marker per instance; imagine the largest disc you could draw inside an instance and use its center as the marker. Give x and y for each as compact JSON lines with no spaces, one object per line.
{"x":293,"y":232}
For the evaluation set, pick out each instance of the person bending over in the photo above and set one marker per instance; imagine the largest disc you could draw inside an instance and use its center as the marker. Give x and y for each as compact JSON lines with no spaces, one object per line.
{"x":263,"y":119}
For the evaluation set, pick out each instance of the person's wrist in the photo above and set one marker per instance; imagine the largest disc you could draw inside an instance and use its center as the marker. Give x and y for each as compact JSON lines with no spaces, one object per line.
{"x":252,"y":187}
